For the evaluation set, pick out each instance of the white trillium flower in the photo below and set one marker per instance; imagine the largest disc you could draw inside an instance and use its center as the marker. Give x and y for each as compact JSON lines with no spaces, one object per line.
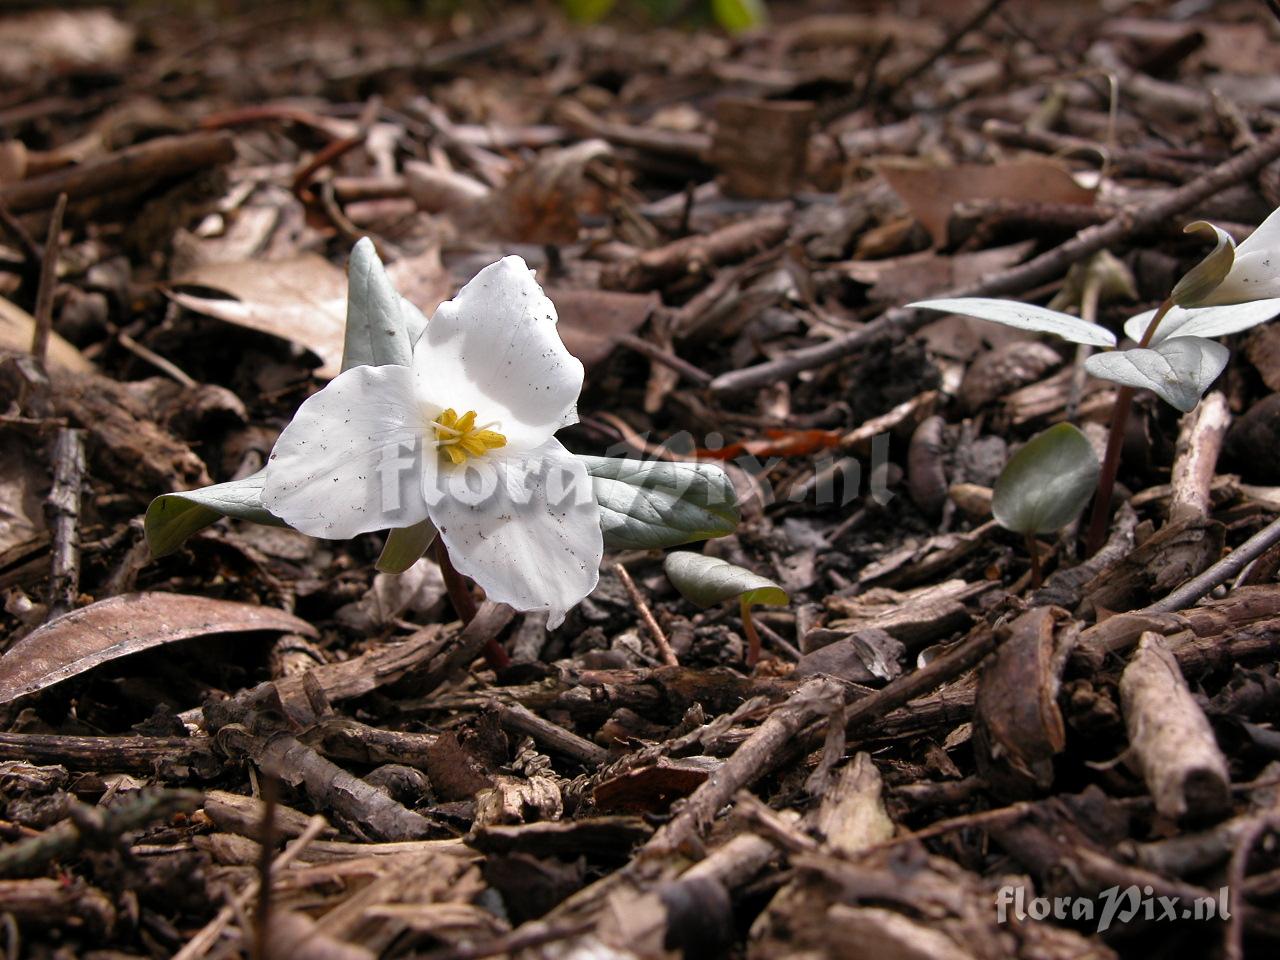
{"x":1233,"y":274}
{"x":463,"y":438}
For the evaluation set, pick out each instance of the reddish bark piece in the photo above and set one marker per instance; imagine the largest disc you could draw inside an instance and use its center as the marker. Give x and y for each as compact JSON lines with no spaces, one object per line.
{"x":109,"y":629}
{"x":760,"y":146}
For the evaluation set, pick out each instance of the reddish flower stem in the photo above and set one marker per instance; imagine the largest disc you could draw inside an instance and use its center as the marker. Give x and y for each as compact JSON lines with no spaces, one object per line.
{"x":464,"y":605}
{"x":753,"y":637}
{"x":1115,"y":444}
{"x":1037,"y":579}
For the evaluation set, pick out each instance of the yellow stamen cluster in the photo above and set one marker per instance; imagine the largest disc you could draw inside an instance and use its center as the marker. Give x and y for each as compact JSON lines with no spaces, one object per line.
{"x":458,"y":436}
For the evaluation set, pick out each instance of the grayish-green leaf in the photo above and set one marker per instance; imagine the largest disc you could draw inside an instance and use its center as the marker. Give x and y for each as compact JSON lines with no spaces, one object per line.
{"x":1025,"y":316}
{"x":382,"y":326}
{"x":1201,"y":280}
{"x":405,"y":547}
{"x":643,"y":505}
{"x":172,"y":517}
{"x":647,"y":504}
{"x":1046,"y":484}
{"x":707,"y":581}
{"x":1203,"y":321}
{"x":1178,"y":370}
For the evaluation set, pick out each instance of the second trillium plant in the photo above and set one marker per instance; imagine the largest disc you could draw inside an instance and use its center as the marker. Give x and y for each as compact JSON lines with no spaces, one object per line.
{"x":446,"y":428}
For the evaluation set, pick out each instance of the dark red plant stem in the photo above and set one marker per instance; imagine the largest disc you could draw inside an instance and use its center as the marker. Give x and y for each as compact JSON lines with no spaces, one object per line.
{"x":1037,"y":580}
{"x":753,"y":636}
{"x":464,"y":605}
{"x":1115,"y":443}
{"x":1107,"y":475}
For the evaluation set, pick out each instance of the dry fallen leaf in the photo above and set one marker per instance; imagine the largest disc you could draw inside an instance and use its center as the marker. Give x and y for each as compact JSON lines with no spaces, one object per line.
{"x":919,"y":275}
{"x":70,"y":41}
{"x":931,"y":191}
{"x":117,"y":627}
{"x":16,"y":330}
{"x":542,"y":203}
{"x":22,"y":487}
{"x":591,"y":321}
{"x":303,"y":299}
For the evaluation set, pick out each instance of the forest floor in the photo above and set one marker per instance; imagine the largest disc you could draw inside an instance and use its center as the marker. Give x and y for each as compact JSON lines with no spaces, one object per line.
{"x":730,"y":228}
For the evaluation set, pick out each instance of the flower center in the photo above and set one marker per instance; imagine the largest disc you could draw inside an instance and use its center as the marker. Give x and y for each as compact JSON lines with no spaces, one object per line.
{"x":459,"y":437}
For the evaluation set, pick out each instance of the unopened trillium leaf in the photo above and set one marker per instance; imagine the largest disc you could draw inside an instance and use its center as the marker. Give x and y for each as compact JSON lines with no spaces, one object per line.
{"x":707,"y":581}
{"x":1198,"y":283}
{"x":1178,"y":370}
{"x":172,"y":517}
{"x":1203,"y":321}
{"x":1113,"y":278}
{"x":586,"y":11}
{"x":649,"y":504}
{"x":405,"y":547}
{"x":108,"y":629}
{"x":739,"y":15}
{"x":1025,"y":316}
{"x":1046,"y":484}
{"x":382,"y":326}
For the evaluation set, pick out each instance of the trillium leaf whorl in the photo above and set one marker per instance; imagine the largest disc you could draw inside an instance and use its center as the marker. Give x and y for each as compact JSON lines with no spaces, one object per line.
{"x":1178,"y":370}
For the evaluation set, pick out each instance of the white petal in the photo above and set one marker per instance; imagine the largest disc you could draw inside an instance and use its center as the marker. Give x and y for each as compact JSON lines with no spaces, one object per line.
{"x":1179,"y":370}
{"x":494,"y":349}
{"x":1025,"y":316}
{"x":349,"y":462}
{"x":524,"y":542}
{"x":1204,"y":321}
{"x":1254,"y":276}
{"x":1265,"y":238}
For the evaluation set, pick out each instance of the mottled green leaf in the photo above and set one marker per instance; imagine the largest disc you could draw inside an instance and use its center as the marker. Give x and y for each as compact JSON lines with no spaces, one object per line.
{"x":707,"y":581}
{"x":659,"y":504}
{"x":172,"y":517}
{"x":1046,"y":484}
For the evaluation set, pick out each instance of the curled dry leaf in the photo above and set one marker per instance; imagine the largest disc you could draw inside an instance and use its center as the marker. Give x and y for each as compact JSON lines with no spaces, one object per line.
{"x":114,"y":628}
{"x":304,"y":299}
{"x":541,"y":203}
{"x":17,"y":327}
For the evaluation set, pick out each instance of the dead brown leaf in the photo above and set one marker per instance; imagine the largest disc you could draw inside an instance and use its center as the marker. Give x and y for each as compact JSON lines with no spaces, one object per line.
{"x":541,"y":203}
{"x":303,"y":299}
{"x":66,"y":41}
{"x":17,"y":328}
{"x":931,"y":191}
{"x":114,"y":628}
{"x":592,"y":320}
